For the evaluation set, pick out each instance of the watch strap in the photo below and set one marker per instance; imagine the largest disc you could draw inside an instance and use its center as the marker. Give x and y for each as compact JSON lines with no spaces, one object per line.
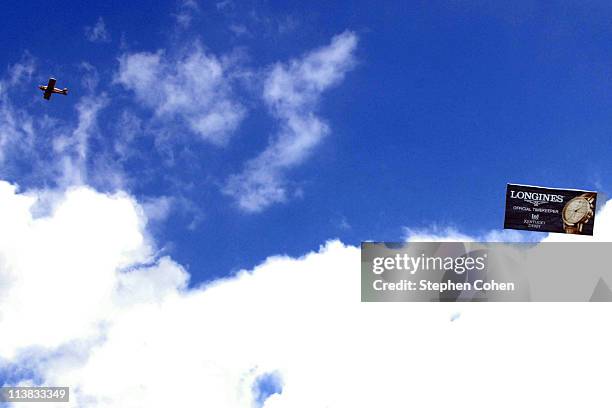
{"x":589,"y":196}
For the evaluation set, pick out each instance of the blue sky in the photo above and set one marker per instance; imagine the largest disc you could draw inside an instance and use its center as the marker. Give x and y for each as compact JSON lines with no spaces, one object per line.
{"x":441,"y":105}
{"x":203,"y":139}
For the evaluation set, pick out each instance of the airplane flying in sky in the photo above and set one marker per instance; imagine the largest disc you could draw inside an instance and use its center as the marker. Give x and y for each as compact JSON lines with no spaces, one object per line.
{"x":51,"y":89}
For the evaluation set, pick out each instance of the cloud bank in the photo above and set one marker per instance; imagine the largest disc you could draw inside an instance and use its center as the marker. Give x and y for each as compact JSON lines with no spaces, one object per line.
{"x":86,"y":303}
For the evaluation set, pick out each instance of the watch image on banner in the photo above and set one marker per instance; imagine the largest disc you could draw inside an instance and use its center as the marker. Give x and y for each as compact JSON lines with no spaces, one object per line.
{"x":545,"y":209}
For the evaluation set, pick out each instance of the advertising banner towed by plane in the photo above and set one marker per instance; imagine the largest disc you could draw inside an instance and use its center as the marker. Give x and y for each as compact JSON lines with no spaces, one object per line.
{"x":550,"y":210}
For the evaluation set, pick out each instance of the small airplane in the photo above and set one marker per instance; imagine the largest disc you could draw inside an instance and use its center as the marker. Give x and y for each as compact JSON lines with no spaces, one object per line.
{"x":51,"y":89}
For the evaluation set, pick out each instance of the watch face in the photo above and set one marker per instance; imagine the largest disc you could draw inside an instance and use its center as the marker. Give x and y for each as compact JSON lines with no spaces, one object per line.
{"x":576,"y":209}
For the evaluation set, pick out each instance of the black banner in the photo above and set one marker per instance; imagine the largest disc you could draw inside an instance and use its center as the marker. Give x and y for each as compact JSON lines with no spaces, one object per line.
{"x":550,"y":210}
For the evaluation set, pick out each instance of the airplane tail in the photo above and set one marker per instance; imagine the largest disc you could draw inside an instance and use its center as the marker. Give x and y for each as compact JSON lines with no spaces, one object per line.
{"x":65,"y":91}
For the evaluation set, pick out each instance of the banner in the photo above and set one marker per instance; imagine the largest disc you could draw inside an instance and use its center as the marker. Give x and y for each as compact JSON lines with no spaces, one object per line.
{"x":486,"y":272}
{"x":550,"y":210}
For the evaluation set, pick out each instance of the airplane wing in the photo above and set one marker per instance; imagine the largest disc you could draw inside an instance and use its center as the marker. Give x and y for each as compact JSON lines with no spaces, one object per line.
{"x":50,"y":87}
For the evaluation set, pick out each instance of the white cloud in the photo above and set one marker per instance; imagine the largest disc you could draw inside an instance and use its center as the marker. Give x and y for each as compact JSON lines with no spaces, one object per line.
{"x":120,"y":328}
{"x":602,"y":233}
{"x":194,"y":87}
{"x":239,"y":30}
{"x":72,"y":147}
{"x":292,"y":92}
{"x":157,"y":208}
{"x":90,"y":78}
{"x":127,"y":129}
{"x":98,"y":32}
{"x":187,"y":9}
{"x":59,"y":269}
{"x":221,"y":5}
{"x":16,"y":126}
{"x":450,"y":234}
{"x":22,"y":70}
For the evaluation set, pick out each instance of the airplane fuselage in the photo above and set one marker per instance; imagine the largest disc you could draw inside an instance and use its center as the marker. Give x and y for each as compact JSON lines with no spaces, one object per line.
{"x":50,"y":89}
{"x":54,"y":90}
